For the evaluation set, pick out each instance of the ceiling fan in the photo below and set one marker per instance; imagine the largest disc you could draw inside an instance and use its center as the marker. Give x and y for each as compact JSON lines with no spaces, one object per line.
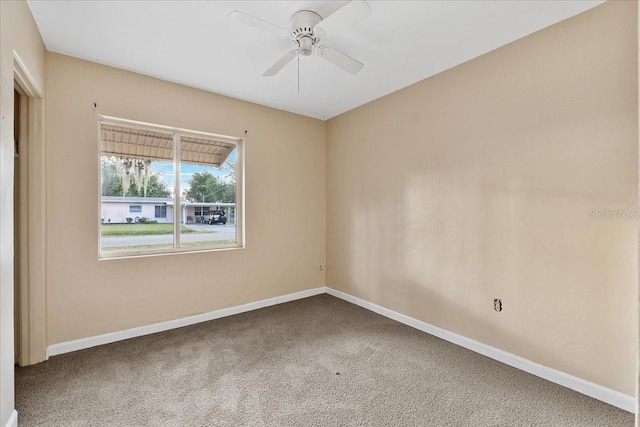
{"x":307,"y":29}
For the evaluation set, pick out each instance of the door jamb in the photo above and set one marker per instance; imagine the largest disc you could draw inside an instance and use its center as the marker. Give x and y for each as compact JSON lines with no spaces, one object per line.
{"x":33,"y":341}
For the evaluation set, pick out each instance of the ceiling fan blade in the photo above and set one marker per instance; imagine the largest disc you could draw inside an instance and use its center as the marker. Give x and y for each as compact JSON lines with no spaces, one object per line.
{"x":281,"y":63}
{"x":252,"y":21}
{"x":353,"y":11}
{"x":340,"y":59}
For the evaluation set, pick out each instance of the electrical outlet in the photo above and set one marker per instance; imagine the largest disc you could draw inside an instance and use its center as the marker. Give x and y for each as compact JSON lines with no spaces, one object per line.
{"x":497,"y":304}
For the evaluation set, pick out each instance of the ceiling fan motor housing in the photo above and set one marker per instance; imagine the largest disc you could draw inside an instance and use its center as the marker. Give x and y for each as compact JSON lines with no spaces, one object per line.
{"x":302,"y":23}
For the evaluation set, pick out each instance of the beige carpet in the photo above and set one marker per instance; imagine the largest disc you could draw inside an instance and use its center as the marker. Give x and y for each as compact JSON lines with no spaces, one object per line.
{"x":315,"y":362}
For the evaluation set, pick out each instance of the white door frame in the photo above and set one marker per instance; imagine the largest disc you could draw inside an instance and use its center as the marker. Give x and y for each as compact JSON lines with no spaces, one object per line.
{"x":33,"y":339}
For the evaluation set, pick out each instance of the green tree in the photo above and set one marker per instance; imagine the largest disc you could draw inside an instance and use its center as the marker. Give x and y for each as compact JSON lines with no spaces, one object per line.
{"x":109,"y":166}
{"x":155,"y":188}
{"x":112,"y":181}
{"x":206,"y":187}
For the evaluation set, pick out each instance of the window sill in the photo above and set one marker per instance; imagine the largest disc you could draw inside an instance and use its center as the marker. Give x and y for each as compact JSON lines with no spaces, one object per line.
{"x":108,"y":256}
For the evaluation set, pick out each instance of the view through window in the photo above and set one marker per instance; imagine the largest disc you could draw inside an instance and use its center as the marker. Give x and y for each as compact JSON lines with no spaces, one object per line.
{"x":166,"y":189}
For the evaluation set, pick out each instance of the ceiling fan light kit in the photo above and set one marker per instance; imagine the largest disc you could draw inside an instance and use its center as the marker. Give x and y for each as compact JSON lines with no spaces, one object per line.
{"x":305,"y":32}
{"x":302,"y":24}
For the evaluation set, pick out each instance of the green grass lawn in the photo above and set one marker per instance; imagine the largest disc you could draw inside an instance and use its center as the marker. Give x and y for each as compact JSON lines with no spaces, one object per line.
{"x":111,"y":230}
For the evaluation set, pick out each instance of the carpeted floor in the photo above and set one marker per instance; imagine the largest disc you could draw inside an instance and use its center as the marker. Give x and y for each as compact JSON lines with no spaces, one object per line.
{"x":314,"y":362}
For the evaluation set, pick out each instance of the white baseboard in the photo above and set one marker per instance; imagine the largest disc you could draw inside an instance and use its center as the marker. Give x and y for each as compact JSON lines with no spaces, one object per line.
{"x":13,"y":419}
{"x":607,"y":395}
{"x":83,"y":343}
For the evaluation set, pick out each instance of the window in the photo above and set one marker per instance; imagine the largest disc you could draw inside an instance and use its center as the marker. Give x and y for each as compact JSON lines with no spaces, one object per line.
{"x":201,"y":210}
{"x":159,"y":186}
{"x":161,"y":211}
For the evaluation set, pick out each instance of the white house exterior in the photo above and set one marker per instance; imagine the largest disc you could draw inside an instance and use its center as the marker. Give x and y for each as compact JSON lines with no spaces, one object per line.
{"x":116,"y":210}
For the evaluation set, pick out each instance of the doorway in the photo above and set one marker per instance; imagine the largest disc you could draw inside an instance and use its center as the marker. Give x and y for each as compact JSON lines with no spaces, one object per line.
{"x":20,"y":129}
{"x":29,"y":217}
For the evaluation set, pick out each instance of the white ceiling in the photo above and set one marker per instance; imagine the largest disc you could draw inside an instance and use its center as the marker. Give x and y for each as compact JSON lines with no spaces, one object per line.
{"x":192,"y":43}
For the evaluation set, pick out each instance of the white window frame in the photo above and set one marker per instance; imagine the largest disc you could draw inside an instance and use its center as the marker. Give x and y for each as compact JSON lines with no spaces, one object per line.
{"x":177,"y":211}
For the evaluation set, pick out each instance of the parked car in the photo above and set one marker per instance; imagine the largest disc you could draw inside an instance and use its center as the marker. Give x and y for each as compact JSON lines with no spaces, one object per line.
{"x":218,"y":217}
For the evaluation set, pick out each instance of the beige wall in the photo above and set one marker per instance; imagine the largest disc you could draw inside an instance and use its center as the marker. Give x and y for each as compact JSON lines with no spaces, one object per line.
{"x":475,"y":183}
{"x":285,"y":205}
{"x":18,"y":33}
{"x":478,"y":183}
